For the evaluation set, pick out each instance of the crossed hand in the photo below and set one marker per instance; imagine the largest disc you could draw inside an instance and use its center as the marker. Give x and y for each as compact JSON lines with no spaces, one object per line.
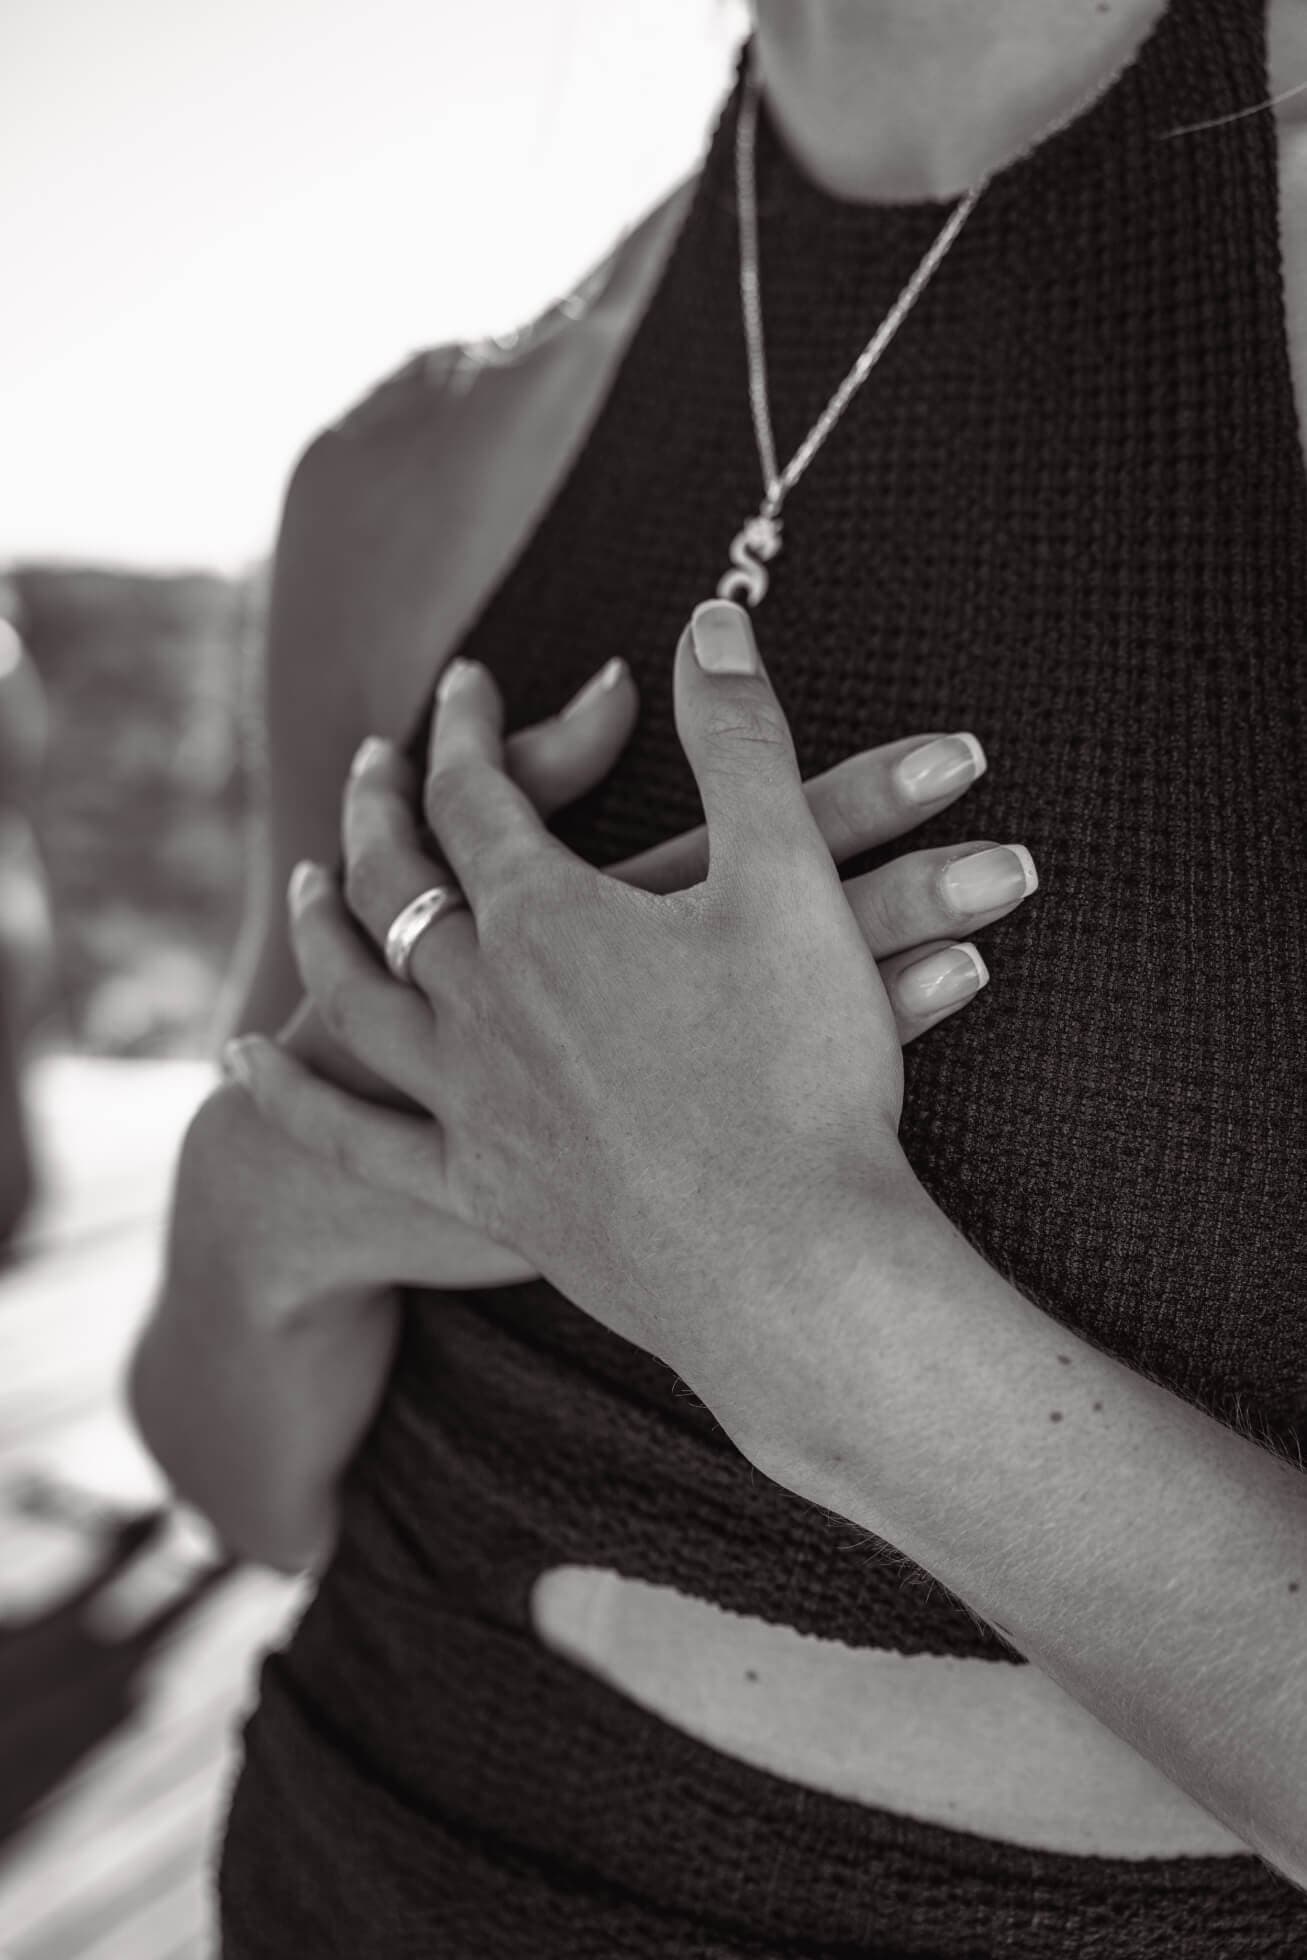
{"x":655,"y":1083}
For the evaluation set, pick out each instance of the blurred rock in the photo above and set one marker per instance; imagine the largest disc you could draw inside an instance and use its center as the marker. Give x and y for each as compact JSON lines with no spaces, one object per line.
{"x":143,"y":814}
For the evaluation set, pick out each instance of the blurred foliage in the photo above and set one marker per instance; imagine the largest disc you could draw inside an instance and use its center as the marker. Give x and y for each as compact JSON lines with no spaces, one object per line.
{"x":144,"y":811}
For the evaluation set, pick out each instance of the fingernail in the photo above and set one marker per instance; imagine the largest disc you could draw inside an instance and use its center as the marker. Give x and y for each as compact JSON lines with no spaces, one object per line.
{"x":306,"y":880}
{"x":453,"y":677}
{"x":942,"y":979}
{"x":371,"y":750}
{"x":988,"y":878}
{"x":939,"y":768}
{"x":722,"y":638}
{"x":236,"y":1060}
{"x":601,"y":683}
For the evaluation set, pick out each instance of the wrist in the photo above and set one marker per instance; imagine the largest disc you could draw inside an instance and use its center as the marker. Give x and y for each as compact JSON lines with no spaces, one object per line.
{"x":903,"y":1343}
{"x":768,"y":1374}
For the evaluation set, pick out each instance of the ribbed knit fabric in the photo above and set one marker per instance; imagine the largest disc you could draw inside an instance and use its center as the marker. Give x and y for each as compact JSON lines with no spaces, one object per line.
{"x":1066,"y":512}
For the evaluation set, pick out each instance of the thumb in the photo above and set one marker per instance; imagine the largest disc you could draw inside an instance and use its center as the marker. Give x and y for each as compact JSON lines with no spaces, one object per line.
{"x":737,"y":740}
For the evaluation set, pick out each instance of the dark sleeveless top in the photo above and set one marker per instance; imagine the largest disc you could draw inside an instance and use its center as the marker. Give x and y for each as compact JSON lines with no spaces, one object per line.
{"x":1066,"y":512}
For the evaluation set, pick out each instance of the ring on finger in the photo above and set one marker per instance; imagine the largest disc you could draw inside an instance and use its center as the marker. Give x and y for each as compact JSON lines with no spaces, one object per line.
{"x":409,"y":924}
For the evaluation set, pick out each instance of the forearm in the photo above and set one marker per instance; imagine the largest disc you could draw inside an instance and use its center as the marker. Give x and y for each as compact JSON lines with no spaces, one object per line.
{"x":251,"y":1392}
{"x":255,"y":1427}
{"x":1149,"y":1559}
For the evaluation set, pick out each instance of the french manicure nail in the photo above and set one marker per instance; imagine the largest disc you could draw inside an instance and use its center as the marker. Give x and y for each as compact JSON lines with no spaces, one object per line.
{"x":942,"y":979}
{"x":999,"y":876}
{"x":722,"y":638}
{"x":305,"y":882}
{"x":370,"y":751}
{"x":235,"y":1060}
{"x":453,"y":677}
{"x":601,"y":683}
{"x":939,"y":768}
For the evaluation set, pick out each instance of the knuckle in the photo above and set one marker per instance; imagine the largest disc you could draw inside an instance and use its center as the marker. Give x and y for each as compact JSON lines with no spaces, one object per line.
{"x":849,"y":807}
{"x":364,"y":872}
{"x":444,"y":791}
{"x":477,"y":1186}
{"x":885,"y":910}
{"x":347,"y":1152}
{"x":338,"y":1005}
{"x":751,"y":721}
{"x":728,"y":905}
{"x":341,"y":1155}
{"x":520,"y":916}
{"x":505,"y":919}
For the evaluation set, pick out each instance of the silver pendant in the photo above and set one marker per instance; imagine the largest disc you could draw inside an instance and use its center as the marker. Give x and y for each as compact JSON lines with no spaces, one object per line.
{"x":752,"y":547}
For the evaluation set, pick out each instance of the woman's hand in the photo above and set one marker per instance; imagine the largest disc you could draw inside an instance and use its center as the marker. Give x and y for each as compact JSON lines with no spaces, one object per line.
{"x":866,"y":800}
{"x":553,"y":762}
{"x":309,"y":1229}
{"x":662,"y":1101}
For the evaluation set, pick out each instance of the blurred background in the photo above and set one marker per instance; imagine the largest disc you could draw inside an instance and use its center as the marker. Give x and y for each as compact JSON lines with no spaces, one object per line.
{"x":221,"y":228}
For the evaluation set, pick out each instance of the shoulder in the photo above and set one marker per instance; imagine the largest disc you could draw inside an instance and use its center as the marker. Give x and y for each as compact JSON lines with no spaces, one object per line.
{"x":422,"y":401}
{"x":400,"y":515}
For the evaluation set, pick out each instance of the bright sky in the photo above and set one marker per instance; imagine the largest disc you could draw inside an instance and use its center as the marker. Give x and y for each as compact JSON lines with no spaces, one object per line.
{"x":221,"y":224}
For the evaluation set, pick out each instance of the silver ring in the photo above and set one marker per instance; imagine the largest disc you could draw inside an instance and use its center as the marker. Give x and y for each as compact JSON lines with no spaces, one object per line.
{"x":409,"y":925}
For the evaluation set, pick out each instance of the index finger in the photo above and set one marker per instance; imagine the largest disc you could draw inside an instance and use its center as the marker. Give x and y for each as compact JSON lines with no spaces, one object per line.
{"x":863,"y":801}
{"x":484,"y":824}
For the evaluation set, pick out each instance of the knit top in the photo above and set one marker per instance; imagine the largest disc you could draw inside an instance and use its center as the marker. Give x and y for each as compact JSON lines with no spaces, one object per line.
{"x":1066,"y":512}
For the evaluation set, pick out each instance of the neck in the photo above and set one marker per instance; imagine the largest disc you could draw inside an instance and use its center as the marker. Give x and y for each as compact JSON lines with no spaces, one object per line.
{"x":898,"y":100}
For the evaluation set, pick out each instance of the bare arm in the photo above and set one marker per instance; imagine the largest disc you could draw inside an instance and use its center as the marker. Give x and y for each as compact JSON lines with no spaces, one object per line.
{"x":268,"y":1349}
{"x":1147,"y":1557}
{"x":267,"y":1352}
{"x":262,"y":1362}
{"x":250,"y":1386}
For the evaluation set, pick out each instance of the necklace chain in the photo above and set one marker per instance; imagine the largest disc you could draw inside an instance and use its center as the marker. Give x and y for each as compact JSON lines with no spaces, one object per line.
{"x":759,"y":539}
{"x":779,"y":483}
